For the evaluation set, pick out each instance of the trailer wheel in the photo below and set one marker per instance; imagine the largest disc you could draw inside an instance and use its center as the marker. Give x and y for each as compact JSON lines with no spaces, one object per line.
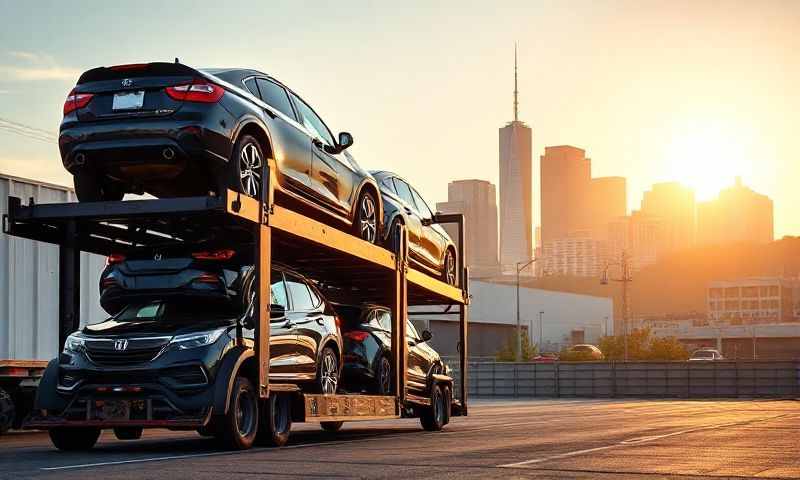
{"x":72,"y":439}
{"x":276,"y":421}
{"x":432,"y":418}
{"x":239,"y":426}
{"x":7,"y":411}
{"x":128,"y":433}
{"x":331,"y":426}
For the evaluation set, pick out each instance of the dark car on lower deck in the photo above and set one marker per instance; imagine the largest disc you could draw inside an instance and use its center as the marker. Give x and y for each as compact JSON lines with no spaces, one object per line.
{"x":367,"y":339}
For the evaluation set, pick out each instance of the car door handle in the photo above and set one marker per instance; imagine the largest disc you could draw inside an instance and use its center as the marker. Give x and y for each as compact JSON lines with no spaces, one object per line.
{"x":317,"y":143}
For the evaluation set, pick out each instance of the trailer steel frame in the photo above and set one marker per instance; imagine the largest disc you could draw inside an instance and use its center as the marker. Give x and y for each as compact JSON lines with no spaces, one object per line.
{"x":345,"y":264}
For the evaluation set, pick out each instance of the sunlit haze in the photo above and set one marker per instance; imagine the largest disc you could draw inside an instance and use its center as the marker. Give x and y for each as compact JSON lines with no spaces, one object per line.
{"x":699,"y":92}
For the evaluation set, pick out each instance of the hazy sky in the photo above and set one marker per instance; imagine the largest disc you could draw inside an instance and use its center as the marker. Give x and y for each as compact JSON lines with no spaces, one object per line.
{"x":654,"y":91}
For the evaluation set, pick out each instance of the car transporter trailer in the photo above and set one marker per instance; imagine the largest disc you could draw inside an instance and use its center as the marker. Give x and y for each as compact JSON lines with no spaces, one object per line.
{"x":366,"y":272}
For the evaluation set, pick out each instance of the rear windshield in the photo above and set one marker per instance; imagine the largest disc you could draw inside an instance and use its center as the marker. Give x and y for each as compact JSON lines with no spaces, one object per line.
{"x":175,"y":311}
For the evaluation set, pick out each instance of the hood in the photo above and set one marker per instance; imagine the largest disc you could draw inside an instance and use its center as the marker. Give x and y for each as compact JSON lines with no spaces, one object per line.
{"x":113,"y":327}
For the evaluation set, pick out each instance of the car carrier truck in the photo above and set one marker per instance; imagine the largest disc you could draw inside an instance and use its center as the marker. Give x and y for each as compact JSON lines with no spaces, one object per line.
{"x":361,"y":271}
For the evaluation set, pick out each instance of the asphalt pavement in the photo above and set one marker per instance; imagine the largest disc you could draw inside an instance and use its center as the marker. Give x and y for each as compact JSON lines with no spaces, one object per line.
{"x":598,"y":439}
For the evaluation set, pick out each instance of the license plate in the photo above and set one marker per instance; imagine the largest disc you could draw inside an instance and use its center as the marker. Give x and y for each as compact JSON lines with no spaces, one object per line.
{"x":128,"y":100}
{"x":114,"y":409}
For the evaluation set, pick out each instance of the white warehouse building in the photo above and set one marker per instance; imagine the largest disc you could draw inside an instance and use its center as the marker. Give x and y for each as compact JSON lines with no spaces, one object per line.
{"x":493,"y":319}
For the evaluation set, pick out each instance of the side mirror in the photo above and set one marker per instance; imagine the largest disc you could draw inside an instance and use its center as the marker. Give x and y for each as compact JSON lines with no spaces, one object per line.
{"x":426,"y":222}
{"x":276,"y":311}
{"x":345,"y":141}
{"x":426,"y":335}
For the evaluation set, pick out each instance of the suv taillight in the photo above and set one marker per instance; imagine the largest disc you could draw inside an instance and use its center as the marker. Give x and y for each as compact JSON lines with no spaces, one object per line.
{"x":198,"y":91}
{"x":75,"y":101}
{"x":357,"y":335}
{"x":115,"y":258}
{"x":214,"y":255}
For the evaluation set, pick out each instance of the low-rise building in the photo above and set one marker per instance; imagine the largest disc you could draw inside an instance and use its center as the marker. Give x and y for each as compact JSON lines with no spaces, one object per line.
{"x":754,"y":300}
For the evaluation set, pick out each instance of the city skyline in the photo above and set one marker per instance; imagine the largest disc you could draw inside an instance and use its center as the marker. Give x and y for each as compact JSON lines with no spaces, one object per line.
{"x":667,"y":106}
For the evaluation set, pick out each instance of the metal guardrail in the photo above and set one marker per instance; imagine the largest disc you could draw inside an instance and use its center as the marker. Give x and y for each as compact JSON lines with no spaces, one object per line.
{"x":634,"y":379}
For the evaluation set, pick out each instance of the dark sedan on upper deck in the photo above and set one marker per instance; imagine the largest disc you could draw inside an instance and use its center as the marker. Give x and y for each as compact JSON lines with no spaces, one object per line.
{"x":429,"y":245}
{"x":171,"y":130}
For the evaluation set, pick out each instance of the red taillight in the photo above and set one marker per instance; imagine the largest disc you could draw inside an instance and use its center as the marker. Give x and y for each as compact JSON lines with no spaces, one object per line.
{"x":214,"y":255}
{"x":108,"y":282}
{"x":75,"y":101}
{"x":129,"y":66}
{"x":198,"y":91}
{"x":356,"y":335}
{"x":207,"y":278}
{"x":338,"y":322}
{"x":114,"y":259}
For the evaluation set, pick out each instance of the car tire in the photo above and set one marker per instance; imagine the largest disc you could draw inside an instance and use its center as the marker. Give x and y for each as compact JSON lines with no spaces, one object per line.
{"x":449,"y":274}
{"x":393,"y":239}
{"x":365,"y":220}
{"x":276,"y":421}
{"x":331,"y":426}
{"x":74,"y":439}
{"x":245,"y":170}
{"x":432,"y":418}
{"x":448,"y":403}
{"x":128,"y":433}
{"x":239,"y":426}
{"x":383,"y":376}
{"x":7,"y":411}
{"x":328,"y":372}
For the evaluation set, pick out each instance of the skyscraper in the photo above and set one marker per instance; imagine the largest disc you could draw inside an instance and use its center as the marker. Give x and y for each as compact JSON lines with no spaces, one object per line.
{"x":674,"y":205}
{"x":516,"y":221}
{"x":737,"y":215}
{"x":608,"y":200}
{"x":566,"y":177}
{"x":476,"y":200}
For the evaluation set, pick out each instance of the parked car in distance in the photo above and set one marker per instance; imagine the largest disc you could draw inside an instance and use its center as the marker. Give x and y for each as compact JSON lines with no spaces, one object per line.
{"x":706,"y":355}
{"x":367,"y":339}
{"x":546,"y":357}
{"x":305,"y":338}
{"x":430,"y":247}
{"x":583,"y":351}
{"x":171,"y":130}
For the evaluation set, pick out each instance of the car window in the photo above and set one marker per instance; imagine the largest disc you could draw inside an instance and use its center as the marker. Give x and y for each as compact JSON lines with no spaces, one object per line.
{"x":388,"y":183}
{"x":312,"y":122}
{"x":250,"y":83}
{"x":275,"y":96}
{"x":405,"y":192}
{"x":298,"y":291}
{"x":385,"y":320}
{"x":277,"y":290}
{"x":316,"y":299}
{"x":422,"y":207}
{"x":411,"y":332}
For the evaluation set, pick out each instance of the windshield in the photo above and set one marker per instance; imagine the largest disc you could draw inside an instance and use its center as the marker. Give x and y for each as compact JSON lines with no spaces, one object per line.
{"x":176,"y":311}
{"x":703,"y":354}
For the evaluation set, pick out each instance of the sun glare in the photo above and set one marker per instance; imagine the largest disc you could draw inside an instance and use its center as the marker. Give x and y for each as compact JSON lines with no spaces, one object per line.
{"x":706,"y":156}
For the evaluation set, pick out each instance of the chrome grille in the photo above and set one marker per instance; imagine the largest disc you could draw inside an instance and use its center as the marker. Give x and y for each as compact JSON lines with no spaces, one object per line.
{"x":137,"y":351}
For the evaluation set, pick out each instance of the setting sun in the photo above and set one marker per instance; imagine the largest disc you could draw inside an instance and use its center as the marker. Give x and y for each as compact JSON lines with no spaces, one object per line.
{"x":707,"y":155}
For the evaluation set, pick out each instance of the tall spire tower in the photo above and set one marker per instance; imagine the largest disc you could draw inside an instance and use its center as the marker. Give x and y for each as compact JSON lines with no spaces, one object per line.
{"x":516,"y":92}
{"x":516,"y":229}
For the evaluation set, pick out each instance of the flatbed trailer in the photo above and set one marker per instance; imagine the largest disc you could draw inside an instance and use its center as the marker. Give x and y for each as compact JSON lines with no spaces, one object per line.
{"x":365,"y":272}
{"x":18,"y":380}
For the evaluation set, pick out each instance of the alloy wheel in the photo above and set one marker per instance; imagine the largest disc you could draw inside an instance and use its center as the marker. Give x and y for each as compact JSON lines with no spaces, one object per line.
{"x":245,"y":414}
{"x":386,"y":375}
{"x":250,"y":165}
{"x":367,"y":226}
{"x":329,"y":374}
{"x":450,"y":268}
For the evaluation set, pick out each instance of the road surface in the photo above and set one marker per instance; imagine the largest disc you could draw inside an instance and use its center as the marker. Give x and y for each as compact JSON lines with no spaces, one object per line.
{"x":598,"y":439}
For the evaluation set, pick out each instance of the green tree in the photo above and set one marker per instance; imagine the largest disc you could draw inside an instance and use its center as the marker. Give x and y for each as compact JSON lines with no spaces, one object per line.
{"x":641,"y":346}
{"x":667,"y":349}
{"x":509,"y":350}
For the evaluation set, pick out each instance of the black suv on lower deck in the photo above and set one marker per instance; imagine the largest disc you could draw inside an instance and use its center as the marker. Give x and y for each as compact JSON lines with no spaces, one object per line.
{"x":169,"y":362}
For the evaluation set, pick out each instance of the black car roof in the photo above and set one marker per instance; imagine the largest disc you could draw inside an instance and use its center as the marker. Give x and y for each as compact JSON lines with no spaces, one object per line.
{"x":234,"y":75}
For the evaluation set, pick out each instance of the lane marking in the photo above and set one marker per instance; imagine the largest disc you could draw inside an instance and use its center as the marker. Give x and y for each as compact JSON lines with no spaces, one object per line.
{"x":636,"y":440}
{"x":215,"y":454}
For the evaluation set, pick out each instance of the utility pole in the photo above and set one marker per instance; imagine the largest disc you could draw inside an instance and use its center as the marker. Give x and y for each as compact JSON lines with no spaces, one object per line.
{"x":541,"y":335}
{"x":624,"y":264}
{"x":520,"y":266}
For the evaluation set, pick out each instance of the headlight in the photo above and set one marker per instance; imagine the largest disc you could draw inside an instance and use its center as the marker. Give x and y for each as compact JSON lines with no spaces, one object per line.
{"x":74,"y":343}
{"x":194,"y":340}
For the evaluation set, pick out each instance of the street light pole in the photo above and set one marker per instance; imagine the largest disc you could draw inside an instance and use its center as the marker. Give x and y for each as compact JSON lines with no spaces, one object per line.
{"x":520,"y":266}
{"x":541,"y":336}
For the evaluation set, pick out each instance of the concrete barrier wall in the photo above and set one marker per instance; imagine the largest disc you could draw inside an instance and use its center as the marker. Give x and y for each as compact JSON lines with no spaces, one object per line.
{"x":634,"y":379}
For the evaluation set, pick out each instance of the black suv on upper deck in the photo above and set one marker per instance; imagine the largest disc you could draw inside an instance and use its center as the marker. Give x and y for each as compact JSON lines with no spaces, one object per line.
{"x":171,"y":130}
